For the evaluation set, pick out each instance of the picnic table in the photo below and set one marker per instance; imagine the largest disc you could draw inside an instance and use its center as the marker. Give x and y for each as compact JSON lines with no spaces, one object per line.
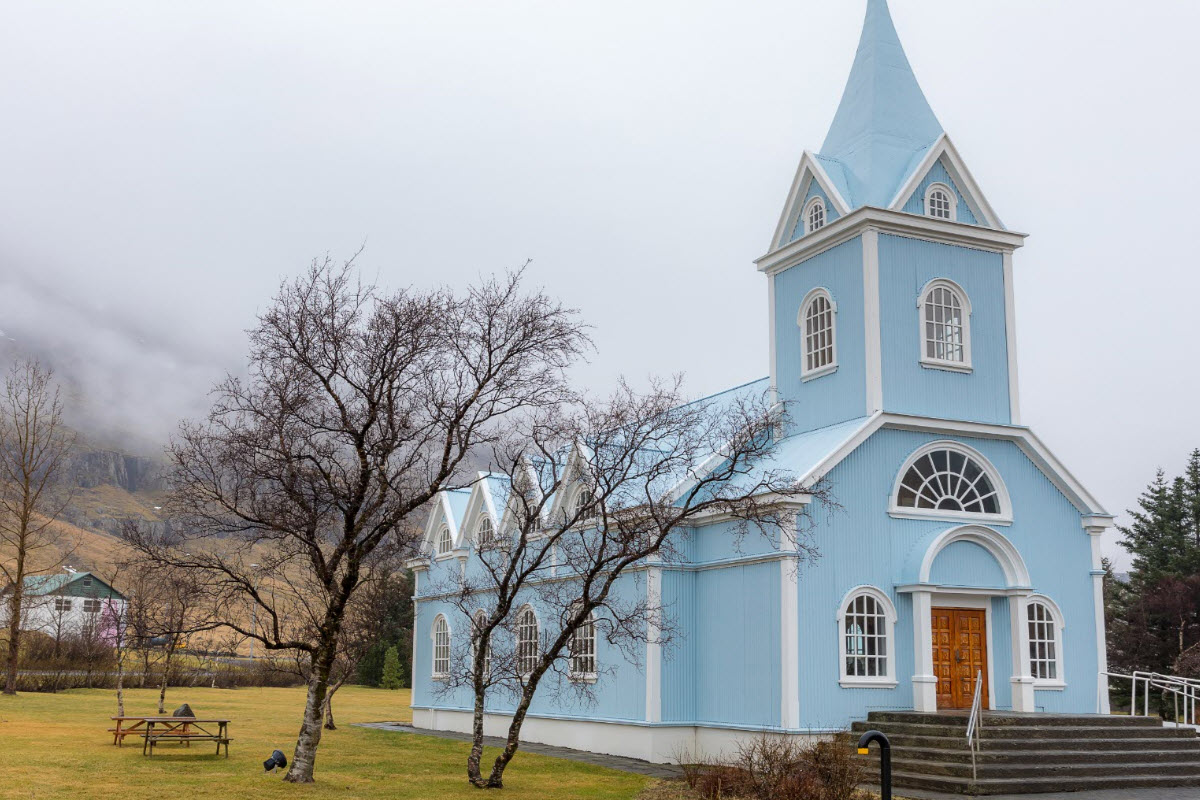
{"x":186,"y":730}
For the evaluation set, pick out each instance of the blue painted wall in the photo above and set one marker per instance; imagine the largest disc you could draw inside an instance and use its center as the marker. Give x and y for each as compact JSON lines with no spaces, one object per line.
{"x":905,"y":267}
{"x":861,"y":544}
{"x":840,"y":395}
{"x":938,"y":174}
{"x":966,"y":564}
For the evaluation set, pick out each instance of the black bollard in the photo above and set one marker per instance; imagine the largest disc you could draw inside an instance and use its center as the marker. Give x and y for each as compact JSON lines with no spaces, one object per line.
{"x":885,"y":760}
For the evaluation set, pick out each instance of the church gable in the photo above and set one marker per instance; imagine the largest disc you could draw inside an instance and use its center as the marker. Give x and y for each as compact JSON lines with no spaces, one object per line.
{"x":939,"y":177}
{"x":811,"y":183}
{"x":942,"y":167}
{"x":800,"y":211}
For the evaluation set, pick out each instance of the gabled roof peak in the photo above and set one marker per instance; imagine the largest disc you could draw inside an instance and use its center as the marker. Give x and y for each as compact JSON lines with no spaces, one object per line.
{"x":884,"y":122}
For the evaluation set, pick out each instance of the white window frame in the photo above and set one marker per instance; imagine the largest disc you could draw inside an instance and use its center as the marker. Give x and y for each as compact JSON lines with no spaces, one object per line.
{"x":1059,"y":682}
{"x":480,"y":541}
{"x":1005,"y":517}
{"x":888,"y":679}
{"x":435,"y":631}
{"x":807,"y":374}
{"x":443,"y":543}
{"x":520,"y":642}
{"x":478,"y":620}
{"x":578,"y":496}
{"x":583,"y":675}
{"x":92,"y":605}
{"x":806,"y":215}
{"x":951,"y":197}
{"x":965,"y":303}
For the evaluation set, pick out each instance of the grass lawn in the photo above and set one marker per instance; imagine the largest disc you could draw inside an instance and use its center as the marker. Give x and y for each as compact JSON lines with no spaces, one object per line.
{"x":55,"y":746}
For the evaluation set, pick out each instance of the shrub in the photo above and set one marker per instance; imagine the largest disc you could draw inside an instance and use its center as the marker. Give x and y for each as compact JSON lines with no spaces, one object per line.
{"x":393,"y":674}
{"x":778,"y":768}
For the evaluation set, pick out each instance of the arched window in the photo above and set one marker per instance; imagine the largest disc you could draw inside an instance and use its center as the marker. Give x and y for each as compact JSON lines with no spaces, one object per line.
{"x":584,"y":500}
{"x":948,"y":479}
{"x":866,"y":629}
{"x":945,"y":326}
{"x":1045,"y":647}
{"x":527,"y":641}
{"x":814,"y":215}
{"x":941,"y":202}
{"x":485,"y":532}
{"x":445,"y":541}
{"x":479,"y":622}
{"x":583,"y":651}
{"x":818,"y":322}
{"x":441,"y":647}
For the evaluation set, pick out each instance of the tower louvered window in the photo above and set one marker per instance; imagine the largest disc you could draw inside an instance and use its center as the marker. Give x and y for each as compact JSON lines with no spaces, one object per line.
{"x":815,"y":216}
{"x":945,"y":326}
{"x":819,"y":334}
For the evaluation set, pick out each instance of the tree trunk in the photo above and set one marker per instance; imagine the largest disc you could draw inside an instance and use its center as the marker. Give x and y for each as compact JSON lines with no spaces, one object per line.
{"x":496,"y":779}
{"x":14,"y":625}
{"x":120,"y":683}
{"x":162,"y":688}
{"x":473,"y":773}
{"x":305,"y":757}
{"x":329,"y":723}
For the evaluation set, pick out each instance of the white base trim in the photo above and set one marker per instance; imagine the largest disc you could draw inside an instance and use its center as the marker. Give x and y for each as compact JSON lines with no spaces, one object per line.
{"x":659,"y":744}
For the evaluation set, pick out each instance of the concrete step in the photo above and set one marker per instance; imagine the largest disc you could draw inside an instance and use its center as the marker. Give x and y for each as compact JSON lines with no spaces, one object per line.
{"x":905,"y":780}
{"x":959,"y":743}
{"x":1046,"y":757}
{"x":1067,"y":772}
{"x":1001,"y":718}
{"x":1028,"y":732}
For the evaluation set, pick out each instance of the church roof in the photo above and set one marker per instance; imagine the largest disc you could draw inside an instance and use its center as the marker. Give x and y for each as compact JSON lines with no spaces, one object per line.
{"x":884,"y":125}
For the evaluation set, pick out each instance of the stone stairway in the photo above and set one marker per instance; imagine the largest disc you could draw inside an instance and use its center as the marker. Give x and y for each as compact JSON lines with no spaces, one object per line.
{"x":1033,"y":752}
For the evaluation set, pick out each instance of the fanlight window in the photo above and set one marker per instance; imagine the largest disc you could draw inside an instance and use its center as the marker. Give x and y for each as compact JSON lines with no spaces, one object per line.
{"x":583,"y":650}
{"x":819,"y":334}
{"x":485,"y":532}
{"x":441,"y":647}
{"x":1043,"y":643}
{"x":527,"y":641}
{"x":945,"y":326}
{"x":445,"y":542}
{"x":939,"y":203}
{"x":947,"y":480}
{"x":864,"y":643}
{"x":814,"y":215}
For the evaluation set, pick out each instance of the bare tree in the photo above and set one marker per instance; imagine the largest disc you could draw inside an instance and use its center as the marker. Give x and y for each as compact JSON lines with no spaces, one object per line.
{"x":600,"y":494}
{"x":34,"y":445}
{"x":359,"y":407}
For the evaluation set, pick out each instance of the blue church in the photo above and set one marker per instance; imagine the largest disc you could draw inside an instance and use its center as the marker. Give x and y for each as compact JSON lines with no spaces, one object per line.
{"x":962,"y":547}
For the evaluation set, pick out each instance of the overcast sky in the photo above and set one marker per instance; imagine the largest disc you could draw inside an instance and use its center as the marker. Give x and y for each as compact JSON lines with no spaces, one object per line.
{"x":165,"y":164}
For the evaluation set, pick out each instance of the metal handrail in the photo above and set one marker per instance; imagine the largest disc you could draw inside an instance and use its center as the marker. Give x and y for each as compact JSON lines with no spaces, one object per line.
{"x":1187,"y":689}
{"x":975,"y":724}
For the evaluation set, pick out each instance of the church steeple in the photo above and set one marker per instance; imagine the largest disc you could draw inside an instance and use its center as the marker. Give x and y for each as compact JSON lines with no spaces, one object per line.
{"x":884,"y":124}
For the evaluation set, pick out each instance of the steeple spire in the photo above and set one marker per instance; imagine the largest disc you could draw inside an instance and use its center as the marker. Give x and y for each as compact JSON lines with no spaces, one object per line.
{"x":884,"y":123}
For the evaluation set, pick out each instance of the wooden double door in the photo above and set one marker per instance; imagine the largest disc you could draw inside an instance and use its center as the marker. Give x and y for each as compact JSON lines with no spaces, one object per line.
{"x":959,"y":654}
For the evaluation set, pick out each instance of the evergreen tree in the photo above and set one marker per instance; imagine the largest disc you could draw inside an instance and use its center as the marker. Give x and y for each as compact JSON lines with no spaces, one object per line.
{"x":393,"y":675}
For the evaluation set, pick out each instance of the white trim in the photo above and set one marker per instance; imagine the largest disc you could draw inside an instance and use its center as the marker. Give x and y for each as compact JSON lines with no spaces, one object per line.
{"x":801,"y":321}
{"x":1016,"y":574}
{"x":951,"y":199}
{"x":871,"y":321}
{"x":965,"y":301}
{"x":958,"y":173}
{"x":1060,"y":627}
{"x":774,"y":369}
{"x":887,"y":680}
{"x":537,"y":639}
{"x":924,"y":682}
{"x":654,"y":645}
{"x":434,"y":674}
{"x":1005,"y":517}
{"x":887,"y":221}
{"x":789,"y":639}
{"x":1010,"y":332}
{"x":809,"y":165}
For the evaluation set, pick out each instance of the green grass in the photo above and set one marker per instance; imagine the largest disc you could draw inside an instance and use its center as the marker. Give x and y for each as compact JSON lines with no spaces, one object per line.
{"x":55,"y":746}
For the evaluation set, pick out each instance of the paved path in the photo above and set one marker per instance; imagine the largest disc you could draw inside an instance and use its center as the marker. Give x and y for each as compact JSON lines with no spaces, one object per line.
{"x":612,"y":762}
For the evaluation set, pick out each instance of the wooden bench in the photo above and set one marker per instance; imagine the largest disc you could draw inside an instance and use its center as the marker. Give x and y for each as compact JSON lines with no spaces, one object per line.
{"x":184,"y":730}
{"x":123,"y":729}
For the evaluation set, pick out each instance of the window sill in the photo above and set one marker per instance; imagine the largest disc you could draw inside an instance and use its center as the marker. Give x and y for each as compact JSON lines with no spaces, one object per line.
{"x":587,"y":678}
{"x":958,"y":516}
{"x":947,"y":366}
{"x":1049,"y":686}
{"x":828,"y":369}
{"x":441,"y":678}
{"x":852,"y":683}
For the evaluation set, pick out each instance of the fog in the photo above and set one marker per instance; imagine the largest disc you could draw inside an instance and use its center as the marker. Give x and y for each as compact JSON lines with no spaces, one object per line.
{"x":164,"y":165}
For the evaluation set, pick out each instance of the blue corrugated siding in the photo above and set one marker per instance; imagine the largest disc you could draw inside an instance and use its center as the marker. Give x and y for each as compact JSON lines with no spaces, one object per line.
{"x":841,"y":395}
{"x":862,"y":544}
{"x":737,"y":657}
{"x":905,"y":267}
{"x":679,"y":657}
{"x":1001,"y":644}
{"x":938,"y":174}
{"x":967,"y":564}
